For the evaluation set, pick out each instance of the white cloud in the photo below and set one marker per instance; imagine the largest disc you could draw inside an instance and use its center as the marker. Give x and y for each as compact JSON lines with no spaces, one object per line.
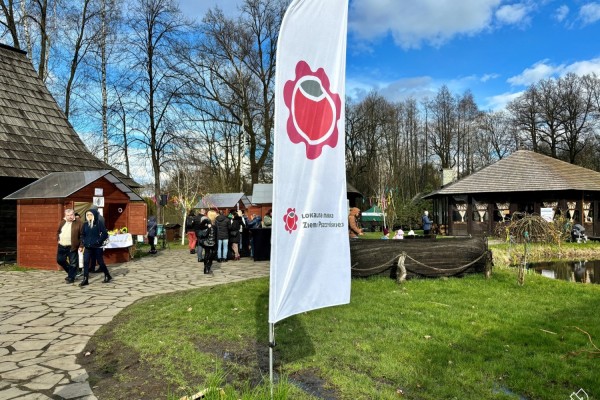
{"x":543,"y":70}
{"x":584,"y":67}
{"x":589,"y":13}
{"x":513,"y":14}
{"x":540,"y":70}
{"x":411,"y":23}
{"x":417,"y":88}
{"x":488,"y":77}
{"x":499,"y":102}
{"x":561,"y":13}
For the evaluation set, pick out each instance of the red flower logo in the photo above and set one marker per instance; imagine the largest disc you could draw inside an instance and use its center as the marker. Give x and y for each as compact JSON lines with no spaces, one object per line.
{"x":291,"y":220}
{"x":314,"y":110}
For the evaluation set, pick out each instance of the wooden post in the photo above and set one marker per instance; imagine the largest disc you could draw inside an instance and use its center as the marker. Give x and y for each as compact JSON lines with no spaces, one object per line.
{"x":488,"y":265}
{"x":401,"y":270}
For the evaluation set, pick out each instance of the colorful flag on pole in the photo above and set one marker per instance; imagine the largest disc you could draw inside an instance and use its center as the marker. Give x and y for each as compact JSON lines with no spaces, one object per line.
{"x":310,"y":251}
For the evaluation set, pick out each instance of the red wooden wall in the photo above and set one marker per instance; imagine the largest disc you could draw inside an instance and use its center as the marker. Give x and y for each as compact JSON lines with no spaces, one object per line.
{"x":38,"y":220}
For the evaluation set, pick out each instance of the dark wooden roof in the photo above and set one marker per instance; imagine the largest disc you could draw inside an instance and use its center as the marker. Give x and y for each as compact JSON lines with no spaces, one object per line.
{"x":35,"y":136}
{"x":525,"y":171}
{"x":58,"y":185}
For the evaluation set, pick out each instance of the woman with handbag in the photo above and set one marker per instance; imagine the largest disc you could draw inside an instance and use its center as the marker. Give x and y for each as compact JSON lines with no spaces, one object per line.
{"x":209,"y":240}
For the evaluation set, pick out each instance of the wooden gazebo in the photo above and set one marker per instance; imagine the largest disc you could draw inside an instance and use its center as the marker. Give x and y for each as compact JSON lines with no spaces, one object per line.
{"x":526,"y":182}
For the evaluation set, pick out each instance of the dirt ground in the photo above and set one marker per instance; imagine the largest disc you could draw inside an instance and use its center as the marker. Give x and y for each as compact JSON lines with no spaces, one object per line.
{"x":120,"y":373}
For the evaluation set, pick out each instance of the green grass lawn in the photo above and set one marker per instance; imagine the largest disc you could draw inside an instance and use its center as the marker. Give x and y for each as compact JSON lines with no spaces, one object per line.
{"x":457,"y":338}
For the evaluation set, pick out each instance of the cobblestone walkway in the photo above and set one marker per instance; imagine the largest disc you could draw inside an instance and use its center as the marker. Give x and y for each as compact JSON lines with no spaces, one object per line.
{"x":44,"y":323}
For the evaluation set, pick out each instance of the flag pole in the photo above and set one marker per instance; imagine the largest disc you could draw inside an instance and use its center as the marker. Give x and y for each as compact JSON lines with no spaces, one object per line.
{"x":271,"y":346}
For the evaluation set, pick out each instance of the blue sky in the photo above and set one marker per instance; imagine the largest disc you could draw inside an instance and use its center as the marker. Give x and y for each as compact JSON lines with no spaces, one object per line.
{"x":495,"y":48}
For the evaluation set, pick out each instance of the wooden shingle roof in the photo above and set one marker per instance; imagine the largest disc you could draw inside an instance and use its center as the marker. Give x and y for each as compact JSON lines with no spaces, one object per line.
{"x":223,"y":200}
{"x":35,"y":136}
{"x":59,"y":185}
{"x":525,"y":171}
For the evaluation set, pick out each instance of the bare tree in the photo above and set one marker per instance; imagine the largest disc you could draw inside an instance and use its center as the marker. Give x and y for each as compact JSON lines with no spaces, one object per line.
{"x":365,"y":123}
{"x":232,"y":73}
{"x":10,"y":21}
{"x":467,"y":113}
{"x":109,"y":19}
{"x":496,"y":137}
{"x":185,"y":185}
{"x":443,"y":126}
{"x":156,"y":32}
{"x":576,"y":114}
{"x":39,"y":15}
{"x":524,"y":114}
{"x":549,"y":109}
{"x":86,"y":33}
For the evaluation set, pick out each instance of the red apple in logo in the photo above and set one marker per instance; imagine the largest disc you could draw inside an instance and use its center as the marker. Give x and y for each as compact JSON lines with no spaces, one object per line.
{"x":314,"y":110}
{"x":291,"y":220}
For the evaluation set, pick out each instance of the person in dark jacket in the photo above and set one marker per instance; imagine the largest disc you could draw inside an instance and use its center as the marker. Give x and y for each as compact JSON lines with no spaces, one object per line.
{"x":222,"y":223}
{"x":254,"y":223}
{"x":151,"y":227}
{"x":209,"y":241}
{"x":190,"y":233}
{"x":68,"y":234}
{"x":234,"y":233}
{"x":93,"y":235}
{"x":199,"y":229}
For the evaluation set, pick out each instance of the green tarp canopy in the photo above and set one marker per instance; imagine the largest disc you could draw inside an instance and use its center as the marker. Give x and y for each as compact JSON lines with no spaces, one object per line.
{"x":372,"y":214}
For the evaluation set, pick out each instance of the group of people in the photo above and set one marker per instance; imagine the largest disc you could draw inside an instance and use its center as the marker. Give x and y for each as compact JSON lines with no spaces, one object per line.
{"x":355,"y":231}
{"x":211,"y":235}
{"x":220,"y":235}
{"x":84,"y":239}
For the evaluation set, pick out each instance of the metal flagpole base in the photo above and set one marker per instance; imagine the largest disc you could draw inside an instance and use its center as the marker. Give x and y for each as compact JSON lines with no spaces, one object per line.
{"x":271,"y":346}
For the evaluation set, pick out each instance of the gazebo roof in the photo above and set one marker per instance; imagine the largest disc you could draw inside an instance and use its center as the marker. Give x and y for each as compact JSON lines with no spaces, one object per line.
{"x":35,"y":136}
{"x":525,"y":171}
{"x":58,"y":185}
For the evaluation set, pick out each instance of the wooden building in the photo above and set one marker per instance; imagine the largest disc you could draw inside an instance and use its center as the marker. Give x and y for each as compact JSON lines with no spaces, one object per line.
{"x":262,"y":197}
{"x":35,"y":138}
{"x":526,"y":182}
{"x":41,"y":205}
{"x":224,"y":202}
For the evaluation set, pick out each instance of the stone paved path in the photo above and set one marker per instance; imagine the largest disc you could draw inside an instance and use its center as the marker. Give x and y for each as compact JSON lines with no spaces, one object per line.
{"x":43,"y":325}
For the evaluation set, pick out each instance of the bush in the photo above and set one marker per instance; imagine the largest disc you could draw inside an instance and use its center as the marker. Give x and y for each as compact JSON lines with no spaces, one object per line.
{"x":533,"y":228}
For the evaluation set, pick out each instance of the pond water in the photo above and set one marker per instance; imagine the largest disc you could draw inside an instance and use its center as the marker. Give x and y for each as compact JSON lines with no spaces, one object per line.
{"x":583,"y":271}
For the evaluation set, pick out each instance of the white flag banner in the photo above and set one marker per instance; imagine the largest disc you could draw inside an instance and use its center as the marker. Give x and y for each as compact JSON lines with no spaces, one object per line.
{"x":310,"y":250}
